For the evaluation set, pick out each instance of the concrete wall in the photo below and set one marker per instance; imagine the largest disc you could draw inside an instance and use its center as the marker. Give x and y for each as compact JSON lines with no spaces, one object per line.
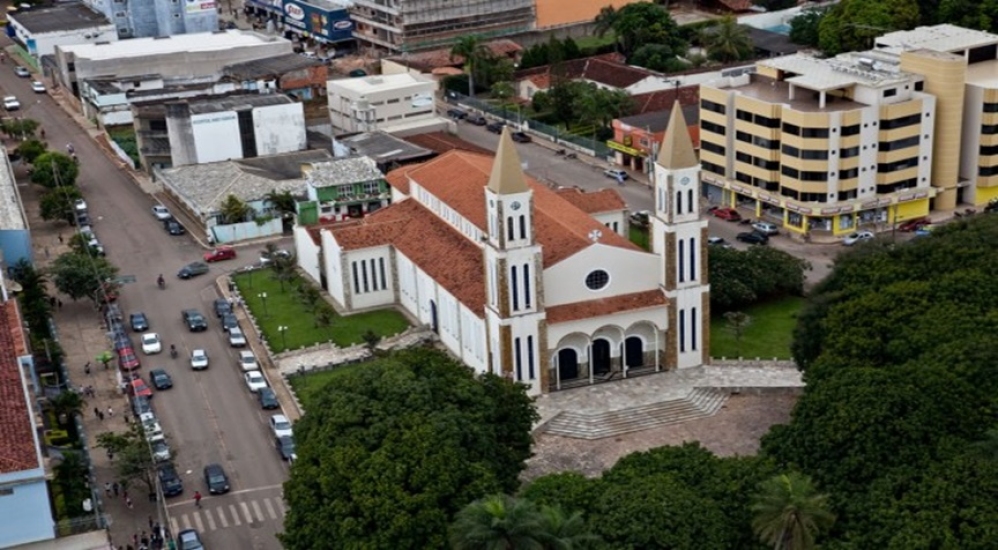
{"x":247,"y":230}
{"x":629,"y":270}
{"x":216,"y":137}
{"x":40,"y":44}
{"x":279,"y":129}
{"x":26,"y":513}
{"x":306,"y":252}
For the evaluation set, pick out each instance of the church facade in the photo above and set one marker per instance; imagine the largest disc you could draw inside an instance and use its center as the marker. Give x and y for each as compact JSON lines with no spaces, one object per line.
{"x":520,"y":280}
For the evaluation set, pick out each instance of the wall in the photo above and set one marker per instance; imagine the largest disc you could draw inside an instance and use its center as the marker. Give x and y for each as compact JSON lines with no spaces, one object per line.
{"x":332,"y":259}
{"x":247,"y":230}
{"x":392,"y":106}
{"x":306,"y":252}
{"x":278,"y":129}
{"x":44,"y":43}
{"x":381,"y":291}
{"x":215,"y":137}
{"x":629,"y":270}
{"x":15,"y":244}
{"x":26,"y":513}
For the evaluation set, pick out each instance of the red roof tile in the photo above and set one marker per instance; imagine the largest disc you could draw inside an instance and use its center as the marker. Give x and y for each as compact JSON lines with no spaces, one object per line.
{"x":593,"y":202}
{"x":738,"y":5}
{"x":663,"y":100}
{"x":608,"y":69}
{"x":17,"y":442}
{"x":605,"y":306}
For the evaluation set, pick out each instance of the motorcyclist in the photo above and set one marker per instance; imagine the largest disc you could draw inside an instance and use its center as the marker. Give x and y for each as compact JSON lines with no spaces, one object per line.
{"x":173,"y":351}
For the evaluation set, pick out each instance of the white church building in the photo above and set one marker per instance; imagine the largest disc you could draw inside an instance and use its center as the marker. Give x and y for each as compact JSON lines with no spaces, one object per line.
{"x":523,"y":281}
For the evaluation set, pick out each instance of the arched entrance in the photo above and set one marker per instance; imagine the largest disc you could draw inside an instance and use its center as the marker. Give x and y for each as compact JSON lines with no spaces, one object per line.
{"x":634,"y":352}
{"x":568,"y":364}
{"x":600,"y":359}
{"x":434,"y":325}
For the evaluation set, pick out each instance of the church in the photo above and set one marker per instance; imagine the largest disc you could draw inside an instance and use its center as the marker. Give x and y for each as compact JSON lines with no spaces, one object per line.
{"x":517,"y":279}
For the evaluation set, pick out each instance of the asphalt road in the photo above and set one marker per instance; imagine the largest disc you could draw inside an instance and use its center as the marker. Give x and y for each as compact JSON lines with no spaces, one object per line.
{"x":208,"y":416}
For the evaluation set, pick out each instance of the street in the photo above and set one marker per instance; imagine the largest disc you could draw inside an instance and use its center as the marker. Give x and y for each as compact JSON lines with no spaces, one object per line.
{"x":208,"y":416}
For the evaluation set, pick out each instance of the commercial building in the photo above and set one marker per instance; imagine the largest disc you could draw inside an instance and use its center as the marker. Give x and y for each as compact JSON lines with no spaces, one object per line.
{"x":325,"y":21}
{"x":399,"y":104}
{"x":15,"y":235}
{"x":194,"y":57}
{"x":158,"y":18}
{"x":637,"y":138}
{"x":108,"y":101}
{"x":343,"y":189}
{"x":41,"y":30}
{"x":411,"y":25}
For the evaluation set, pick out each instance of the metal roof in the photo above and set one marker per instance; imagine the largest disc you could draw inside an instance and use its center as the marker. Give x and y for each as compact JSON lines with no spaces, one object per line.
{"x":63,"y":17}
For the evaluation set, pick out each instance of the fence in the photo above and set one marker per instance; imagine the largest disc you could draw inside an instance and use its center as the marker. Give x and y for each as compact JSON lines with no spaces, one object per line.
{"x":582,"y":144}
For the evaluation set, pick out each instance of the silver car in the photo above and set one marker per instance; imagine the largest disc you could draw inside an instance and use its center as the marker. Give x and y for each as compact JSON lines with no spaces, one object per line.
{"x":236,"y":338}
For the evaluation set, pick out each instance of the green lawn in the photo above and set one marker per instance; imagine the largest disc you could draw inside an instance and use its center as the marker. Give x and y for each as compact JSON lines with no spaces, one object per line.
{"x":768,"y":334}
{"x":284,"y":309}
{"x":306,"y":386}
{"x":639,"y":236}
{"x":595,"y":41}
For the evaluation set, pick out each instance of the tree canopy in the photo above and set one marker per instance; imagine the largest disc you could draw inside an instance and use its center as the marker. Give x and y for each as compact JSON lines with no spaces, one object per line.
{"x":388,"y":454}
{"x":642,"y":23}
{"x":54,"y":169}
{"x":740,"y":278}
{"x":82,"y":276}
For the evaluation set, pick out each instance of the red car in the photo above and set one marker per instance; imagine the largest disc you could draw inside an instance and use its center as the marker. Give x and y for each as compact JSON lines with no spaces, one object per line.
{"x":138,"y":388}
{"x":729,"y":214}
{"x":914,"y":225}
{"x":127,"y":359}
{"x":220,"y":253}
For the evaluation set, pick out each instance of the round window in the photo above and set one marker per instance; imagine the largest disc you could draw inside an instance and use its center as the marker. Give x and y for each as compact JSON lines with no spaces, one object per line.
{"x":597,"y":280}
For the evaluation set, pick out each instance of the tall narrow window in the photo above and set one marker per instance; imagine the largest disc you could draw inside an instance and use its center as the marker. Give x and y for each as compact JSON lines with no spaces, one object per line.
{"x":693,"y":328}
{"x":381,"y":269}
{"x":682,"y":330}
{"x":679,"y":202}
{"x":682,"y":260}
{"x":519,"y":362}
{"x":526,"y":287}
{"x":363,"y":272}
{"x":495,"y":285}
{"x":515,"y":285}
{"x":689,"y":200}
{"x":530,"y":357}
{"x":509,"y":228}
{"x":523,"y":227}
{"x":693,"y":259}
{"x":356,"y":279}
{"x":375,"y":281}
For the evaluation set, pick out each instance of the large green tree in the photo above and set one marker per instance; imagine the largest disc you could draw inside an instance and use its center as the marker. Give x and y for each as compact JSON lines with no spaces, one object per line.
{"x":642,"y":23}
{"x":852,"y":25}
{"x":82,"y":276}
{"x":728,"y":41}
{"x":54,"y":169}
{"x":471,"y":50}
{"x":389,"y":453}
{"x":789,"y":512}
{"x":740,"y":278}
{"x":57,"y":204}
{"x":132,"y":458}
{"x":805,"y":28}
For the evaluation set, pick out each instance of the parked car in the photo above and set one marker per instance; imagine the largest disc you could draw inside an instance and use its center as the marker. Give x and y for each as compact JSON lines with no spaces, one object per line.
{"x":923,"y":231}
{"x":265,"y":257}
{"x":161,"y":212}
{"x":615,"y":174}
{"x":766,"y":228}
{"x":268,"y":399}
{"x":247,"y":361}
{"x":457,"y":114}
{"x":521,"y":137}
{"x":229,"y":322}
{"x":718,"y":241}
{"x":215,"y":479}
{"x":280,"y":425}
{"x":160,"y":449}
{"x":194,"y":320}
{"x":151,"y":343}
{"x":161,"y":379}
{"x":11,"y":103}
{"x":169,"y":480}
{"x":137,"y":388}
{"x":121,"y":341}
{"x":752,"y":237}
{"x":219,"y":254}
{"x":857,"y":237}
{"x":199,"y":359}
{"x":188,"y":539}
{"x":173,"y":227}
{"x":193,"y":269}
{"x":127,"y":359}
{"x":286,"y":447}
{"x":476,"y":119}
{"x":913,"y":225}
{"x":236,"y":338}
{"x":729,"y":214}
{"x":37,"y":87}
{"x":21,"y":71}
{"x":139,"y":321}
{"x":255,"y":380}
{"x":495,"y":127}
{"x":141,"y":405}
{"x":221,"y":306}
{"x":641,"y":218}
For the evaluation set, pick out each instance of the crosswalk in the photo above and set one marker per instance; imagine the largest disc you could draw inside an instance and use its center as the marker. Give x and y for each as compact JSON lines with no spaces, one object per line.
{"x":228,"y":514}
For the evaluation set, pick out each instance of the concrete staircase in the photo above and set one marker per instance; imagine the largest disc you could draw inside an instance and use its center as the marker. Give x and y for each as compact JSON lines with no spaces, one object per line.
{"x":698,"y":403}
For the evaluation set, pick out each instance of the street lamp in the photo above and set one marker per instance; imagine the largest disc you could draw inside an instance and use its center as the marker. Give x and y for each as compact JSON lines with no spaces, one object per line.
{"x":263,"y":298}
{"x":284,"y":339}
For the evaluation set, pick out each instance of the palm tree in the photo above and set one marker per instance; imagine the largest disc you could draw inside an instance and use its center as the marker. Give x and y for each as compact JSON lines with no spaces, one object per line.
{"x":233,"y":210}
{"x":282,"y":201}
{"x":564,"y":532}
{"x":729,"y":41}
{"x":66,"y":405}
{"x":789,"y":512}
{"x":498,"y":522}
{"x":470,"y":48}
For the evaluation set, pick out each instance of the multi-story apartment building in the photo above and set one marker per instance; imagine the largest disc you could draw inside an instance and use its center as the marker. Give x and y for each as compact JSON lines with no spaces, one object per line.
{"x":875,"y":137}
{"x":401,"y":26}
{"x":151,"y":18}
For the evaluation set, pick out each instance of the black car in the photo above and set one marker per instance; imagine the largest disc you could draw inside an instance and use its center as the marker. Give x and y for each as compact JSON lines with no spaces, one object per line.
{"x":229,"y":322}
{"x":268,"y":399}
{"x":476,"y":119}
{"x":285,"y":445}
{"x":193,"y":270}
{"x":495,"y":127}
{"x":121,"y":341}
{"x":83,"y":219}
{"x":457,"y":114}
{"x":173,"y":227}
{"x":141,"y":405}
{"x":194,"y":320}
{"x":520,"y":137}
{"x":169,"y":480}
{"x":160,"y":379}
{"x":139,"y":321}
{"x":215,"y":479}
{"x":222,"y":307}
{"x":752,"y":237}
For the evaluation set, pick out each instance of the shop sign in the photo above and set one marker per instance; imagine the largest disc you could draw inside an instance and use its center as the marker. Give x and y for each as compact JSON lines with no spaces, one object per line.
{"x":770,"y":200}
{"x":829,"y":211}
{"x":294,"y":11}
{"x":623,"y":148}
{"x":798,"y":209}
{"x":326,"y":25}
{"x":197,"y":6}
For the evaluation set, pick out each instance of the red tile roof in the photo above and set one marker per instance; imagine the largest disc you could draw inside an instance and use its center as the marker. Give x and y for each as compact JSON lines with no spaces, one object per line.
{"x":441,"y":142}
{"x":738,"y":5}
{"x":17,"y":442}
{"x":608,"y":69}
{"x":605,"y":306}
{"x":663,"y":100}
{"x":433,"y":59}
{"x":593,"y":202}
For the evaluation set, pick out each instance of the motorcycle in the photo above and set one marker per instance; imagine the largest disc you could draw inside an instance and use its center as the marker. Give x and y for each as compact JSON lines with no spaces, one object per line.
{"x":560,"y":152}
{"x":571,"y":156}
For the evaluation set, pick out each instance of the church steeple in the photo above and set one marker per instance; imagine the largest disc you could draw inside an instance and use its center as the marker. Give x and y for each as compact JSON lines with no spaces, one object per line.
{"x":507,"y":172}
{"x":677,"y":148}
{"x":509,"y":199}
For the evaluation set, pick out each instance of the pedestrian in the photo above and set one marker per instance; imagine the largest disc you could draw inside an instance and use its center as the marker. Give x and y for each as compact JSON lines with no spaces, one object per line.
{"x":46,"y":252}
{"x":135,"y":538}
{"x":128,"y":502}
{"x":128,"y":419}
{"x":93,"y":392}
{"x":100,"y":415}
{"x":60,"y":234}
{"x":115,"y":487}
{"x":130,"y":547}
{"x":59,"y":303}
{"x":110,"y":412}
{"x":145,"y":542}
{"x":110,"y":454}
{"x":151,"y":524}
{"x":107,"y":488}
{"x":52,"y":301}
{"x":86,"y":368}
{"x":197,"y":498}
{"x":96,"y":412}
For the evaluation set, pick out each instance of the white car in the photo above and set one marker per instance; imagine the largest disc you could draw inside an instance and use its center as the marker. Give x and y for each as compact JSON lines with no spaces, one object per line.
{"x":236,"y":338}
{"x":11,"y":103}
{"x":255,"y":381}
{"x":265,"y":258}
{"x":766,"y":228}
{"x":247,"y":361}
{"x":858,"y":237}
{"x":37,"y":87}
{"x":151,"y":343}
{"x":199,"y":359}
{"x":160,"y":449}
{"x":280,"y":425}
{"x":161,"y":212}
{"x":22,"y":72}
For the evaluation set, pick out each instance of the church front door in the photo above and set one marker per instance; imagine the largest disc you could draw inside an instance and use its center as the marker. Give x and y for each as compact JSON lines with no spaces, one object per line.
{"x":568,"y":364}
{"x":601,"y":357}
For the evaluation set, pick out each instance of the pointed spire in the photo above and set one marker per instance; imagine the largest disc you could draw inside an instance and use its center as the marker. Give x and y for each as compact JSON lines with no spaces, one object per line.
{"x":507,"y":173}
{"x":677,"y":148}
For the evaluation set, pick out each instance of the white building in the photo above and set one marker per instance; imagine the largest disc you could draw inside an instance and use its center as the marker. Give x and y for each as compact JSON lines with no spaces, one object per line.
{"x":399,"y":104}
{"x":234,"y":127}
{"x":517,"y":279}
{"x":109,"y":100}
{"x":41,"y":30}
